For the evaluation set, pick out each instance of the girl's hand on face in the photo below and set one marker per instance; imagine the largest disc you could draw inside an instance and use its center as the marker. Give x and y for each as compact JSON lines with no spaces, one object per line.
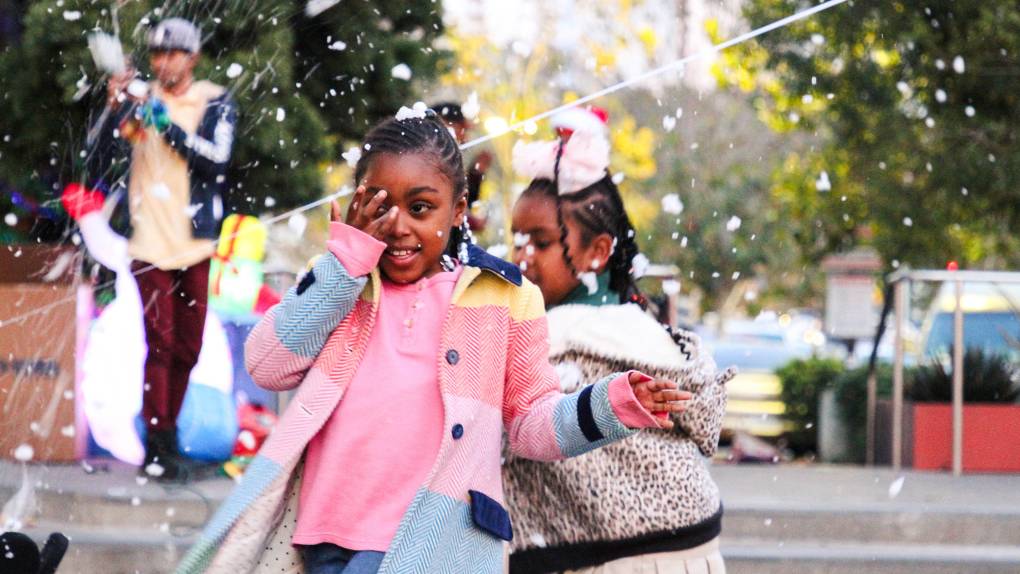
{"x":362,"y":214}
{"x":659,"y":397}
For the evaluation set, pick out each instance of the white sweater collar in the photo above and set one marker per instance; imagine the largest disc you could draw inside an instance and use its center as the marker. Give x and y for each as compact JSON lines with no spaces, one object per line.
{"x":623,"y":332}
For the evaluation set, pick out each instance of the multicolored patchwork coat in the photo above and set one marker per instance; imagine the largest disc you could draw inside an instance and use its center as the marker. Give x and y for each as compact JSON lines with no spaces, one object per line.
{"x":494,"y":375}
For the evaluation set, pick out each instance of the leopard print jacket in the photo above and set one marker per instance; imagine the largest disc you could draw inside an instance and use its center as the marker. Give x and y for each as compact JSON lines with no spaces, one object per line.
{"x":613,"y":501}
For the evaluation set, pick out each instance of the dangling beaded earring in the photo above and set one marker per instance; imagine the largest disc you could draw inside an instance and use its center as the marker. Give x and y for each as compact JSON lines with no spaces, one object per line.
{"x":466,"y":239}
{"x":447,"y":262}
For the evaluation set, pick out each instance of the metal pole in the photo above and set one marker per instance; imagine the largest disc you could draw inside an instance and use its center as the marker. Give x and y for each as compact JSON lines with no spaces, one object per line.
{"x":897,"y":423}
{"x":958,"y":383}
{"x":887,"y":306}
{"x":870,"y":430}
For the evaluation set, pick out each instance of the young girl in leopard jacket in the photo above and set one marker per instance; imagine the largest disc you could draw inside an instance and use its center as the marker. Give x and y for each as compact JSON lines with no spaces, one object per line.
{"x":574,"y":240}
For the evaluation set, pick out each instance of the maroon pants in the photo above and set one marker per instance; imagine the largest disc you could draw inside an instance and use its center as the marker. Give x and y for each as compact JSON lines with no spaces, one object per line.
{"x":174,"y":304}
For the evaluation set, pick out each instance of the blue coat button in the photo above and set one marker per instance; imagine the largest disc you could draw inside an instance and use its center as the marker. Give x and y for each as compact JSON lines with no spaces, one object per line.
{"x":452,"y":357}
{"x":457,"y":431}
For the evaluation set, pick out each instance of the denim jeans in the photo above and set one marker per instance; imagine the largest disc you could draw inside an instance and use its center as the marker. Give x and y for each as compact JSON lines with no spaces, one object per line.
{"x":331,"y":559}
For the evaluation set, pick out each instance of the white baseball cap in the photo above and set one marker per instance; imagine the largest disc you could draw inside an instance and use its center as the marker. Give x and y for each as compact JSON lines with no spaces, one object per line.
{"x":175,"y":34}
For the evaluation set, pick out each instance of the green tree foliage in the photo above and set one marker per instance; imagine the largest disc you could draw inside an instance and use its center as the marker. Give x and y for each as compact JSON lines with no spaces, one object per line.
{"x":298,"y":98}
{"x":719,"y":162}
{"x":346,"y":55}
{"x":916,"y":105}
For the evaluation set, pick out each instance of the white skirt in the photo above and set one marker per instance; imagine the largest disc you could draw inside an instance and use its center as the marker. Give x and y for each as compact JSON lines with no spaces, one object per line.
{"x":704,"y":559}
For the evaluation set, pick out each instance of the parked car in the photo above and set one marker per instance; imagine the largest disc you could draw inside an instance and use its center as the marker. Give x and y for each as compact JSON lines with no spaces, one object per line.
{"x":755,"y":405}
{"x":991,"y":320}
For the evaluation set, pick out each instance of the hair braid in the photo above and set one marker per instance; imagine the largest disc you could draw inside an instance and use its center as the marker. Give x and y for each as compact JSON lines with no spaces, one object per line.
{"x":559,"y":210}
{"x":598,"y":209}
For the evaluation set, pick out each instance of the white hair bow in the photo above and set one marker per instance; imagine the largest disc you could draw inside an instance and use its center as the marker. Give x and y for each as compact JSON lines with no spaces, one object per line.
{"x":584,"y":161}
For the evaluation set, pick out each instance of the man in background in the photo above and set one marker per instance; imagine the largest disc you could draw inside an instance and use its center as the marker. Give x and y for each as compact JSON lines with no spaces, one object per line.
{"x":168,"y":143}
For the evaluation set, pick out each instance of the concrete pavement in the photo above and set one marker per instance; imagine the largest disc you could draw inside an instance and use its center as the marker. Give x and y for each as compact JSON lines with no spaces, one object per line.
{"x":779,"y":518}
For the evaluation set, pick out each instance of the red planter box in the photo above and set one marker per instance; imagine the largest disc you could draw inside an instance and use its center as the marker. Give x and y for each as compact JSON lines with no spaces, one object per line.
{"x":991,"y":437}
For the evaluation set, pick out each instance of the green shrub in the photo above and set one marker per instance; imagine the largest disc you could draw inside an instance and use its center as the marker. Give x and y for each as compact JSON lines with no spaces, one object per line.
{"x":803,"y":381}
{"x":851,"y":394}
{"x":987,"y":378}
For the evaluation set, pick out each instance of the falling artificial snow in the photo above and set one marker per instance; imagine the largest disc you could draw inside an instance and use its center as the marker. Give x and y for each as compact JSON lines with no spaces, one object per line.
{"x":733,"y":224}
{"x":498,"y":250}
{"x":896,"y":487}
{"x":639,"y":265}
{"x":281,"y":114}
{"x":401,"y":72}
{"x":672,"y":204}
{"x":297,"y":223}
{"x":234,"y":70}
{"x":823,"y":183}
{"x":352,"y":155}
{"x":338,"y":46}
{"x":471,"y":107}
{"x":160,"y":191}
{"x":417,"y":111}
{"x":316,"y":7}
{"x":958,"y":65}
{"x":24,"y":453}
{"x":154,"y":470}
{"x":590,"y":280}
{"x":72,"y":15}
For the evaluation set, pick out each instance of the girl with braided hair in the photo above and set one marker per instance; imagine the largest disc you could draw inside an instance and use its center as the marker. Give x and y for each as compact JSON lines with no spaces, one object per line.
{"x":573,"y":239}
{"x":411,"y":351}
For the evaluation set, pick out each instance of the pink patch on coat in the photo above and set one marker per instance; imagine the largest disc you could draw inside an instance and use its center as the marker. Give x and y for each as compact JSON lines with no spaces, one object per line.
{"x":314,"y":402}
{"x":529,"y":376}
{"x":484,"y":352}
{"x":470,"y":462}
{"x":533,"y":435}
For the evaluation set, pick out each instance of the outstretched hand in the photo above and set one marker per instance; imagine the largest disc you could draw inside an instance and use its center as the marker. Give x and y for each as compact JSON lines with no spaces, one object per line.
{"x":363,"y":214}
{"x":659,"y":397}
